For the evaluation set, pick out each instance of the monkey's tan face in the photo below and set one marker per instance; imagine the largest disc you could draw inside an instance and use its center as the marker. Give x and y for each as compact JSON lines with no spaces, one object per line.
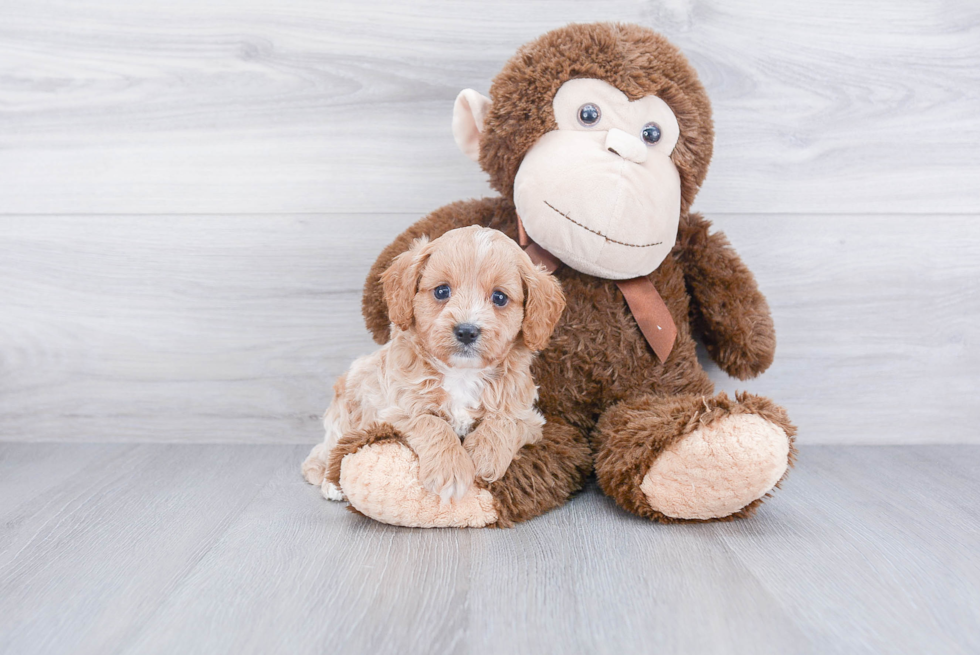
{"x":601,"y":192}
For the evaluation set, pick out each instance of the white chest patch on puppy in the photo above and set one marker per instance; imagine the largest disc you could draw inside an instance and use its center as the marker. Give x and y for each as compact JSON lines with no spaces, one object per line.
{"x":465,"y":387}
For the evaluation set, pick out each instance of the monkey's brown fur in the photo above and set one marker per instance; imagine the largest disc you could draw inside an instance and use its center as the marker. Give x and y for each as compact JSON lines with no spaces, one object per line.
{"x":632,"y":434}
{"x":541,"y":477}
{"x":604,"y":393}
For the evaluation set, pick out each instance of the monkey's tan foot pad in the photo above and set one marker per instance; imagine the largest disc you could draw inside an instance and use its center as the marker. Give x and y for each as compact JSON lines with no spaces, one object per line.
{"x":381,"y":480}
{"x":718,"y":469}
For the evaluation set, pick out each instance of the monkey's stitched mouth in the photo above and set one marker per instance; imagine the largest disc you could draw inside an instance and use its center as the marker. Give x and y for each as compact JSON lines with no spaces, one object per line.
{"x":597,"y":232}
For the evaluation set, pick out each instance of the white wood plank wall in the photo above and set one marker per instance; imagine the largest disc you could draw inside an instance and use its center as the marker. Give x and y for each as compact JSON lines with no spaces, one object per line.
{"x":191,"y":193}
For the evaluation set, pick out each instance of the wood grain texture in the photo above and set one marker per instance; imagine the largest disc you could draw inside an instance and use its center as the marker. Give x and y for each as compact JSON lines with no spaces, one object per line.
{"x":232,"y":329}
{"x":85,"y":562}
{"x":865,"y":550}
{"x":875,"y":537}
{"x":31,"y":483}
{"x":221,"y":106}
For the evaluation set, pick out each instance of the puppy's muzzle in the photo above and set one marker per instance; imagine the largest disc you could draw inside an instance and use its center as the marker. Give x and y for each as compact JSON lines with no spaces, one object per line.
{"x":466,"y":333}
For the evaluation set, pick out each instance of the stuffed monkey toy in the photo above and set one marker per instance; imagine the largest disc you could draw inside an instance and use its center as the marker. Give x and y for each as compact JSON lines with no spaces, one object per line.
{"x":597,"y":138}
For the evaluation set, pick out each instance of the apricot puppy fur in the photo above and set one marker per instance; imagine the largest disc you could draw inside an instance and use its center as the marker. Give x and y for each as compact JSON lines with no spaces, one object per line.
{"x":468,"y":313}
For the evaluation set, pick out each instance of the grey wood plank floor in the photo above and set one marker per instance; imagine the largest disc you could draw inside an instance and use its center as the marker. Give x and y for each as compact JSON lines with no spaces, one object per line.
{"x":114,"y":548}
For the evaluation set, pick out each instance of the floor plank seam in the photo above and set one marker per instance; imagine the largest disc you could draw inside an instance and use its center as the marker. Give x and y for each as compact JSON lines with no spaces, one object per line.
{"x":178,"y":584}
{"x":60,"y":517}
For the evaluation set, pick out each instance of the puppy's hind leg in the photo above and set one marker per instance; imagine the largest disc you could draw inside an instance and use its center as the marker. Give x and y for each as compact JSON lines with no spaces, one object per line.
{"x":315,"y":465}
{"x":315,"y":472}
{"x":330,"y":491}
{"x":335,"y":422}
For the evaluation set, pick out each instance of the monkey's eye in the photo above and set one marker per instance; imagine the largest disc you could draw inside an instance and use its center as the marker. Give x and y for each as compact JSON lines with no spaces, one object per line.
{"x":499,"y":298}
{"x":651,"y":133}
{"x":588,"y":114}
{"x":442,"y":292}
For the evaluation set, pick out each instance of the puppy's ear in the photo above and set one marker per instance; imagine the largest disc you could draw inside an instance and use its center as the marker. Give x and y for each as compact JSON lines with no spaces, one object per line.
{"x":543,"y":304}
{"x":401,"y":282}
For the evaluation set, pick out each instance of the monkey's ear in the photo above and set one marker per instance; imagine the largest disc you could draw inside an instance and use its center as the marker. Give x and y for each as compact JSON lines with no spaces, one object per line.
{"x":468,"y":114}
{"x":543,"y":305}
{"x":401,"y":282}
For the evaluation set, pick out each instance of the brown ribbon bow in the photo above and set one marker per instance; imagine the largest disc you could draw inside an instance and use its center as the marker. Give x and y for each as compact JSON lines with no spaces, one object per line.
{"x":648,"y":308}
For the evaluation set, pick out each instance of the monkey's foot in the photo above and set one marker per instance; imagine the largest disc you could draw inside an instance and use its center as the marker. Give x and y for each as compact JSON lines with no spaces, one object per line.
{"x":381,"y":480}
{"x":691,"y":457}
{"x":379,"y":474}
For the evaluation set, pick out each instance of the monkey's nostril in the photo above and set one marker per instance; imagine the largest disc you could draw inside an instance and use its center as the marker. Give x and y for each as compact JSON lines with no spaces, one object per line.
{"x":466,"y":333}
{"x":625,"y":146}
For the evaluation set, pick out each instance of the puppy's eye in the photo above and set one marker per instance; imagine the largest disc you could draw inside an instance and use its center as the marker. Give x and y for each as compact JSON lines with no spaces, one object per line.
{"x":588,"y":114}
{"x":499,"y":298}
{"x":442,"y":292}
{"x":650,"y":133}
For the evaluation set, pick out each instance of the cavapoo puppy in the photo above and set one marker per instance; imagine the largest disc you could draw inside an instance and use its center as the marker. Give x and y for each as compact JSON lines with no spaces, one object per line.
{"x":468,"y":311}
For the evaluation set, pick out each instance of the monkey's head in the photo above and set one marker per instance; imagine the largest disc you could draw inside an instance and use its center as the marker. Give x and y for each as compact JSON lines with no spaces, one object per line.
{"x":602,"y":136}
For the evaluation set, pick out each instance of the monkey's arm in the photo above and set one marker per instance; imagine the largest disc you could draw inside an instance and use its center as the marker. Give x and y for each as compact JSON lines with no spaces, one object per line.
{"x":728,"y":310}
{"x":458,"y":214}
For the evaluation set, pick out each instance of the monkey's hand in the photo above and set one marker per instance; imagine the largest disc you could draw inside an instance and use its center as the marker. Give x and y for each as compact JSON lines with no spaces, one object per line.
{"x":730,"y":312}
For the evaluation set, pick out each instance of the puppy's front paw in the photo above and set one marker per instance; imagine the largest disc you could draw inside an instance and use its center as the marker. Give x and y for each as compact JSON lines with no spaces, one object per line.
{"x":490,"y":459}
{"x":448,"y":474}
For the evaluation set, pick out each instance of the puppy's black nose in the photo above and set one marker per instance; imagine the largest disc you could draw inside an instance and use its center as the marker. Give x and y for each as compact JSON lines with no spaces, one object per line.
{"x":466,"y":333}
